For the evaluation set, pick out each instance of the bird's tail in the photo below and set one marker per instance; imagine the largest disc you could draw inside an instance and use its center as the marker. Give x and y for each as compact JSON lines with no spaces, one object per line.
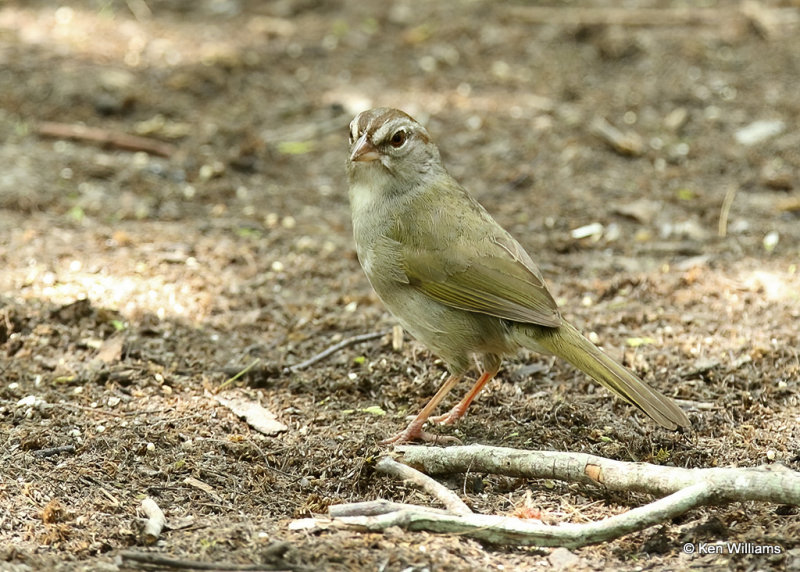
{"x":569,"y":344}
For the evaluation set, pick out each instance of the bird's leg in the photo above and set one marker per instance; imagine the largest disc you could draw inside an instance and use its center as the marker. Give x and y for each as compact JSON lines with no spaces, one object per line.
{"x":414,"y":430}
{"x":458,"y":411}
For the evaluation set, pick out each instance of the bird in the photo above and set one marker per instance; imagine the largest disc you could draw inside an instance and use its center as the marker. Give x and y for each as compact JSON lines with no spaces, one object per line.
{"x":454,"y":278}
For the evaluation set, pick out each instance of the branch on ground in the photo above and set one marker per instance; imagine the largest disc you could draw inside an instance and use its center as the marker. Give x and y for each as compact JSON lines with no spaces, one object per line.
{"x":682,"y":490}
{"x":105,"y":137}
{"x":772,"y":483}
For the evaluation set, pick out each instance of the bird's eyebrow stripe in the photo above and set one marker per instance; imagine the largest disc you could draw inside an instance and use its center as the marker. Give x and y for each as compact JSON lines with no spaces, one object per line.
{"x":382,"y":133}
{"x":379,"y":127}
{"x":390,"y":127}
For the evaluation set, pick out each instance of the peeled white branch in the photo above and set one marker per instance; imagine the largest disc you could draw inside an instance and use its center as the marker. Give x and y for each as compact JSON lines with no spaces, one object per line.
{"x":498,"y":529}
{"x":682,"y":490}
{"x":772,"y":483}
{"x":437,"y":490}
{"x":155,"y":520}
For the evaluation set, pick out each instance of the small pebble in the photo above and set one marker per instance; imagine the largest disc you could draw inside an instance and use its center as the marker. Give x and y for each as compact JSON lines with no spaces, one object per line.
{"x":593,"y":229}
{"x":759,"y":131}
{"x":771,"y":240}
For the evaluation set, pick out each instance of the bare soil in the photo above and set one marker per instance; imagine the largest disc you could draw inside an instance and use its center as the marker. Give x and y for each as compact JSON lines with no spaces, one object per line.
{"x":132,"y":286}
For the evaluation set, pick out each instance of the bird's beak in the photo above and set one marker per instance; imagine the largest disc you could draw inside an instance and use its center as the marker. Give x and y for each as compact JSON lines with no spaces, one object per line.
{"x":363,"y":150}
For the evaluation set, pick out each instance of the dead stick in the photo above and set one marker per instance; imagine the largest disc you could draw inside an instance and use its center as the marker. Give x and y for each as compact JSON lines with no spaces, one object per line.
{"x":374,"y":508}
{"x":49,"y":452}
{"x":773,"y":483}
{"x":509,"y":530}
{"x":158,"y":560}
{"x":155,"y":520}
{"x":333,"y":349}
{"x":105,"y":137}
{"x":437,"y":490}
{"x":725,"y":210}
{"x":239,"y":374}
{"x":629,"y":144}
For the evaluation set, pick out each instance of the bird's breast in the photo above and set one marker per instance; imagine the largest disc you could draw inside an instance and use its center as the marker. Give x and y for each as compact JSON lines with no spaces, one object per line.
{"x":361,"y":198}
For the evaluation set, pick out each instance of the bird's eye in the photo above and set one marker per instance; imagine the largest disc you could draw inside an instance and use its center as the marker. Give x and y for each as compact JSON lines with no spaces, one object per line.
{"x":398,"y":139}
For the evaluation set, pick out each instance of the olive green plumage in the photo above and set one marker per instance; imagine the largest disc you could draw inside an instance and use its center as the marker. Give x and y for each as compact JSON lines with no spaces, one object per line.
{"x":453,"y":277}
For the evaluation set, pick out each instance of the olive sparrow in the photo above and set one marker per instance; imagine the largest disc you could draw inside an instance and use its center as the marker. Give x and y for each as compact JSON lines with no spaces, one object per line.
{"x":453,"y":277}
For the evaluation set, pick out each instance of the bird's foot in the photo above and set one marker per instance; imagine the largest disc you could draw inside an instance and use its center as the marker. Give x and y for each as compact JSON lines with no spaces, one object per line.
{"x":415,"y":433}
{"x":450,"y":417}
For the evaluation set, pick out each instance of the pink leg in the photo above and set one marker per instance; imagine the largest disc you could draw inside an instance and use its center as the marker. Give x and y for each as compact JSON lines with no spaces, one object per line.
{"x":460,"y":409}
{"x":414,"y":430}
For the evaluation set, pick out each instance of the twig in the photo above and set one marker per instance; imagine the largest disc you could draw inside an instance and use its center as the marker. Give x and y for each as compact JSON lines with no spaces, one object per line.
{"x":158,"y":561}
{"x":437,"y":490}
{"x":333,"y":349}
{"x":205,"y":487}
{"x":730,"y":194}
{"x":95,"y":483}
{"x":49,"y":452}
{"x":698,"y":405}
{"x":105,"y":137}
{"x":397,"y":337}
{"x":239,"y":374}
{"x":500,"y":529}
{"x":373,"y":508}
{"x":685,"y":489}
{"x":773,"y":483}
{"x":628,"y":143}
{"x":155,"y":521}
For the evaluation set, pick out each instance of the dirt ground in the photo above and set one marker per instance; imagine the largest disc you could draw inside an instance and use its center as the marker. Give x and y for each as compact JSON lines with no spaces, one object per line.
{"x":133,"y":285}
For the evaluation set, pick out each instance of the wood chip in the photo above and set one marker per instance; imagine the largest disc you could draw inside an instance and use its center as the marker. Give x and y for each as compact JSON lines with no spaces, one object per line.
{"x":627,"y":143}
{"x":256,"y":416}
{"x":205,"y":487}
{"x":111,"y":350}
{"x":397,"y":338}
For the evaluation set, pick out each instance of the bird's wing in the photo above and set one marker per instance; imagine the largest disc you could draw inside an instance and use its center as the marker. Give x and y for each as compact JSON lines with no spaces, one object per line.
{"x":495,"y":277}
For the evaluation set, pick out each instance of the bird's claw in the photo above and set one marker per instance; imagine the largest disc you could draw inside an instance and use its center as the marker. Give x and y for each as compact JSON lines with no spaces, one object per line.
{"x":410,"y":434}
